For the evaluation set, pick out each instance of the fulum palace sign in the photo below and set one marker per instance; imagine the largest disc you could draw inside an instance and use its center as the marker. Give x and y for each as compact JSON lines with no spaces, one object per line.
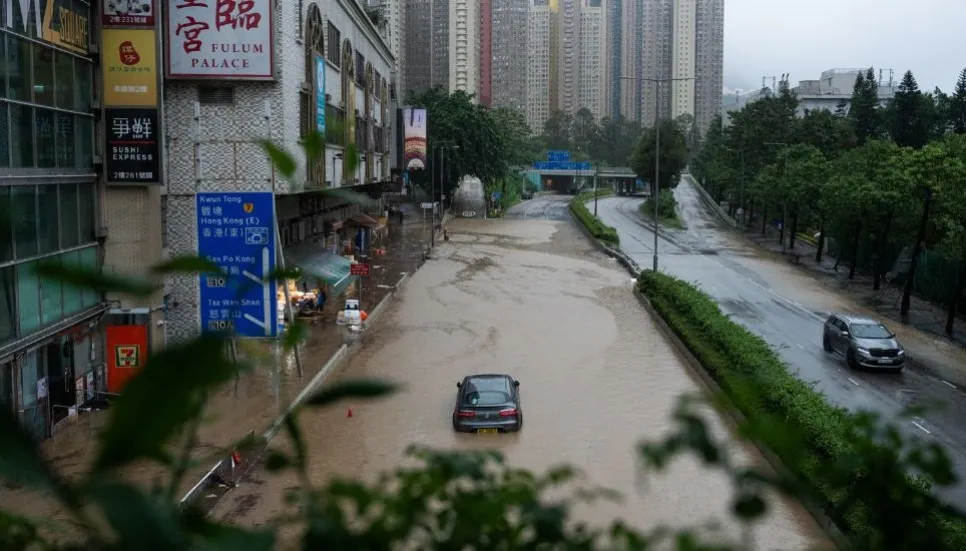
{"x":220,"y":39}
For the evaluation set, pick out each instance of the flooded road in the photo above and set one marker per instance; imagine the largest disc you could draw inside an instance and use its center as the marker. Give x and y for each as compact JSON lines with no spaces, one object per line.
{"x":531,"y":298}
{"x":787,"y":308}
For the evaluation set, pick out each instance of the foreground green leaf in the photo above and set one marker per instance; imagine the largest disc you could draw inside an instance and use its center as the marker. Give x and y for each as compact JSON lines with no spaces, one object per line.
{"x":359,"y":388}
{"x":141,"y":424}
{"x":187,"y":264}
{"x":84,"y":278}
{"x":20,"y":460}
{"x":282,"y":160}
{"x":140,"y":521}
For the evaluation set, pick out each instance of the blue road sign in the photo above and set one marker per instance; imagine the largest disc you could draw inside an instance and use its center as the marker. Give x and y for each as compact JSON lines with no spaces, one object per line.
{"x":236,"y":231}
{"x":562,"y":165}
{"x":558,"y":156}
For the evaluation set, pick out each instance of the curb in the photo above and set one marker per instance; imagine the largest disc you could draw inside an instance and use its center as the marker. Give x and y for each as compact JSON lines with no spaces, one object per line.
{"x":343,"y":354}
{"x":615,"y":253}
{"x":738,"y":418}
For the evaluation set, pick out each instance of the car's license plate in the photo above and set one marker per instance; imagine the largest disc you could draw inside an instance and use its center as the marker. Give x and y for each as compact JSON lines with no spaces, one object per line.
{"x":486,"y":431}
{"x":885,"y":361}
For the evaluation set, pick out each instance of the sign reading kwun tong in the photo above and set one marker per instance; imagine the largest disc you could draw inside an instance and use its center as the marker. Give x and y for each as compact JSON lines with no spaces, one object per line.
{"x":60,"y":22}
{"x":220,"y":39}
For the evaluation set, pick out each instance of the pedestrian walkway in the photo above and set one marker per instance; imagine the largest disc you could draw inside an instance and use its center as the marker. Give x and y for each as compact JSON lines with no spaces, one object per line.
{"x":251,"y":403}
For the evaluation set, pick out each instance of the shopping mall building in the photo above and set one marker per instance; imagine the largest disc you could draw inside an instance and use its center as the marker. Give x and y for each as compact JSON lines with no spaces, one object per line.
{"x":62,"y":205}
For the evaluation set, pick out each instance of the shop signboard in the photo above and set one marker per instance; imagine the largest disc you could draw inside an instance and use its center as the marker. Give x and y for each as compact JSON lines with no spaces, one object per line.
{"x":358,"y":269}
{"x":126,"y":347}
{"x":414,"y":138}
{"x":130,"y":62}
{"x":59,"y":22}
{"x":133,"y":153}
{"x":220,"y":39}
{"x":236,"y":232}
{"x":128,"y":13}
{"x":320,"y":95}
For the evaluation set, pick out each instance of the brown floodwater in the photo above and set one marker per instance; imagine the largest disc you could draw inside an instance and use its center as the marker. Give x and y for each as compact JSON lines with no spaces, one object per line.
{"x":529,"y":298}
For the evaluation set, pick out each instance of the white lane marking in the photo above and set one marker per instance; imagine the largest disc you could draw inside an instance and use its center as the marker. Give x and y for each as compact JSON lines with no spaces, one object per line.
{"x":947,"y":383}
{"x":920,"y":427}
{"x":800,"y":346}
{"x":853,"y":381}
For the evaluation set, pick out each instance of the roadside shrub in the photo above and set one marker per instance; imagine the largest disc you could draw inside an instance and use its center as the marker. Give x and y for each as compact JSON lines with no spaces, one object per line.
{"x":842,"y":460}
{"x":666,"y":206}
{"x":597,"y":228}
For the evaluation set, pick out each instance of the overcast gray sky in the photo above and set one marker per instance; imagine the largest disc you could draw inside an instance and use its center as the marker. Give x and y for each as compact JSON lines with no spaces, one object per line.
{"x":804,"y":38}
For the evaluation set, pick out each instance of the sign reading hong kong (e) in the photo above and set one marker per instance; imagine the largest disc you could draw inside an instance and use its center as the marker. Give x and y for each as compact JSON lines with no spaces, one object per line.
{"x":220,"y":39}
{"x":236,"y":232}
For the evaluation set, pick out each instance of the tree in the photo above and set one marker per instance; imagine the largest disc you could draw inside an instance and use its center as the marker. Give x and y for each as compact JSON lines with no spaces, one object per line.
{"x":951,"y":222}
{"x":673,"y":155}
{"x":829,"y":134}
{"x":931,"y":168}
{"x":615,"y":141}
{"x":938,"y":107}
{"x":514,"y":135}
{"x":864,"y":107}
{"x":906,"y":116}
{"x":583,"y":130}
{"x":805,"y":177}
{"x":842,"y":108}
{"x":556,"y":130}
{"x":957,"y":105}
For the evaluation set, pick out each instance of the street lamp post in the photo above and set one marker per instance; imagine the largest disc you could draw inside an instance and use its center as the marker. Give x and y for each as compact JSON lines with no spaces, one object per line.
{"x":781,"y":233}
{"x":657,"y":148}
{"x":596,"y":174}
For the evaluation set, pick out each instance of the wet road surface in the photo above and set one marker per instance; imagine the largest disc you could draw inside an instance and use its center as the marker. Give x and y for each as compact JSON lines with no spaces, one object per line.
{"x":541,"y":207}
{"x":787,"y":308}
{"x":529,"y":297}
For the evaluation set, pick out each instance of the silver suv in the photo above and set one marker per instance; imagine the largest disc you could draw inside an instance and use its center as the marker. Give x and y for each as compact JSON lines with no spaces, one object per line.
{"x":863,"y":342}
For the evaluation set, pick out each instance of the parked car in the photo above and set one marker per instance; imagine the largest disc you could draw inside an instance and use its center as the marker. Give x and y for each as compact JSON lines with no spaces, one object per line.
{"x":488,"y":404}
{"x":863,"y":342}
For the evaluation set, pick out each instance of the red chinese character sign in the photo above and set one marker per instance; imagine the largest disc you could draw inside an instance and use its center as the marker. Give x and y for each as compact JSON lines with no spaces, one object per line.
{"x":220,"y":39}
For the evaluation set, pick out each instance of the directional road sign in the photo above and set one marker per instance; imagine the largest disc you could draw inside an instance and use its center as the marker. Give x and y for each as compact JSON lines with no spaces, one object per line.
{"x":562,"y":165}
{"x":236,"y":232}
{"x":558,"y":156}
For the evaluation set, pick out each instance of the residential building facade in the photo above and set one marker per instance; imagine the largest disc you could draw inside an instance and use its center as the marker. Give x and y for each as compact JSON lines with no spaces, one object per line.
{"x":425,"y":59}
{"x":708,"y":61}
{"x":464,"y":46}
{"x":538,"y":64}
{"x":509,"y":26}
{"x":582,"y":57}
{"x":331,"y":72}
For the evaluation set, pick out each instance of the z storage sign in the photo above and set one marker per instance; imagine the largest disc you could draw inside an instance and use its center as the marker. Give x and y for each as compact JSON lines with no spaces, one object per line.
{"x":133,"y":155}
{"x":220,"y":39}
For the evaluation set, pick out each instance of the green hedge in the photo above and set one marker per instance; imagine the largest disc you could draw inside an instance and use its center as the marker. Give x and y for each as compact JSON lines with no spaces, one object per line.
{"x":597,"y":228}
{"x":760,"y":384}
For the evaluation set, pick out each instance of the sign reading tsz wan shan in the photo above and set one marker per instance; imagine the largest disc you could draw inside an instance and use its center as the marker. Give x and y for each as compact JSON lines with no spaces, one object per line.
{"x":220,"y":39}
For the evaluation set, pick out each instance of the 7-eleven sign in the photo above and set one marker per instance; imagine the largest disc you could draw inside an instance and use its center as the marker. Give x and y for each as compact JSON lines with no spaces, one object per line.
{"x":127,"y":355}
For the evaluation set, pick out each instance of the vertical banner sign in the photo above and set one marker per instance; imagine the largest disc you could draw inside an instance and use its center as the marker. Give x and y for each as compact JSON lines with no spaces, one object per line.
{"x":236,"y":232}
{"x":133,"y":152}
{"x":126,"y":348}
{"x":130,"y":63}
{"x":320,"y":95}
{"x":128,"y":13}
{"x":414,"y":132}
{"x":220,"y":39}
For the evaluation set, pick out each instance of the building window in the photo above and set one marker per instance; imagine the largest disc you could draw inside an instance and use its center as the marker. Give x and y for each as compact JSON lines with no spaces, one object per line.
{"x":83,"y":87}
{"x":64,"y":76}
{"x":69,"y":216}
{"x":87,"y":220}
{"x":43,"y":81}
{"x":88,"y":262}
{"x":66,"y":138}
{"x":47,"y":207}
{"x":85,"y":142}
{"x":6,"y":234}
{"x":44,"y":131}
{"x":24,"y":209}
{"x":333,"y":53}
{"x":18,"y":67}
{"x":4,"y":132}
{"x":22,"y":132}
{"x":8,"y":314}
{"x":28,"y":298}
{"x":51,"y":299}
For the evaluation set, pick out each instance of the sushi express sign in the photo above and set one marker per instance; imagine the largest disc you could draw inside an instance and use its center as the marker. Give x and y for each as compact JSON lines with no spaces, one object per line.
{"x":60,"y":22}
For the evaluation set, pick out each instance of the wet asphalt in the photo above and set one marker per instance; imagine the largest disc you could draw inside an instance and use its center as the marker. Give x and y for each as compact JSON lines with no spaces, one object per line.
{"x":787,"y":308}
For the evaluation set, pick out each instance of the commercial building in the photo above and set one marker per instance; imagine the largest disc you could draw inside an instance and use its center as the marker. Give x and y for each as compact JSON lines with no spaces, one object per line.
{"x":73,"y":200}
{"x":832,"y":89}
{"x":329,"y":71}
{"x":538,"y":64}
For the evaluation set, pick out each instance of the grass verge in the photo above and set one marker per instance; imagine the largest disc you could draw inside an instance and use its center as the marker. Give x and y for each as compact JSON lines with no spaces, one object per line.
{"x":597,"y":228}
{"x":818,"y":442}
{"x":667,"y":209}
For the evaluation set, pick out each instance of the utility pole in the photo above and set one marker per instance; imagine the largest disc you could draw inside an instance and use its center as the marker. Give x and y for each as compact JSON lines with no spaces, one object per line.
{"x":657,"y":148}
{"x":596,"y":174}
{"x":781,"y":233}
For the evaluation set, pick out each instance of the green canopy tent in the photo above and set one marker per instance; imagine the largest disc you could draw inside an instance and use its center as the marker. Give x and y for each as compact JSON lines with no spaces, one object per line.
{"x":314,"y":260}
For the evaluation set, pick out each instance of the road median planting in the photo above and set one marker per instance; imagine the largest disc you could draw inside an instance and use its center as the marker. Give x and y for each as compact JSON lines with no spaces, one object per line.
{"x":597,"y":229}
{"x":826,"y":449}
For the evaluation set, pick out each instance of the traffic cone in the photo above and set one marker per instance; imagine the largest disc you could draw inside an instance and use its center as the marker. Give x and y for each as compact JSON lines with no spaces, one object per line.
{"x":348,"y":412}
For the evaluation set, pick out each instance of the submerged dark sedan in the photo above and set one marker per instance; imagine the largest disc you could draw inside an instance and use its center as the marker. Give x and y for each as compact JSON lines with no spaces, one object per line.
{"x":488,"y":403}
